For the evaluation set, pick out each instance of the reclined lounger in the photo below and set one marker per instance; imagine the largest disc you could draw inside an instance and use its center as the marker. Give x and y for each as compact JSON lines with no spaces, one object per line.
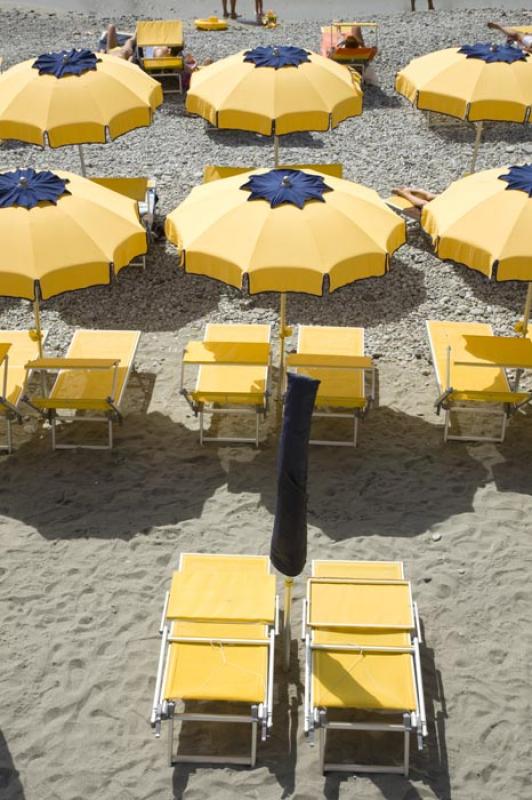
{"x":16,"y":349}
{"x":470,"y":367}
{"x":362,"y":640}
{"x":161,"y":33}
{"x":335,"y":357}
{"x":90,"y":384}
{"x":233,"y":377}
{"x":218,"y":626}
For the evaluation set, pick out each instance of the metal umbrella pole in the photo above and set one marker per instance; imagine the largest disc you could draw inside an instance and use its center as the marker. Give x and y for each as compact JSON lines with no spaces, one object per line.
{"x":276,"y":150}
{"x":284,"y":332}
{"x":37,"y":315}
{"x":82,"y":160}
{"x":478,"y":137}
{"x":287,"y":616}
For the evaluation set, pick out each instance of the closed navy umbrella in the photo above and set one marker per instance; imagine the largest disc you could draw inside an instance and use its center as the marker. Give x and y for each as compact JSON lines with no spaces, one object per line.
{"x":288,"y":551}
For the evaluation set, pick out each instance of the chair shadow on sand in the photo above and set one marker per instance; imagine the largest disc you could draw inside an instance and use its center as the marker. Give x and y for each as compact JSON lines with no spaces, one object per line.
{"x":10,"y":785}
{"x":279,"y":754}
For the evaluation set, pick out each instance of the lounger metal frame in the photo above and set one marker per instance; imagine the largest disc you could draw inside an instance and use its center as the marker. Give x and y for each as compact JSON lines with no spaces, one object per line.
{"x":113,"y":414}
{"x":199,"y":409}
{"x":445,"y":402}
{"x":355,"y":415}
{"x":317,"y":717}
{"x":12,"y":413}
{"x":260,"y":716}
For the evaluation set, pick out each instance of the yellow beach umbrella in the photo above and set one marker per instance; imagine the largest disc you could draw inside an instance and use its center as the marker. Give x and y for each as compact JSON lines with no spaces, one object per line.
{"x":274,"y":91}
{"x":75,"y":97}
{"x":476,"y":83}
{"x":61,"y":232}
{"x":485,"y":222}
{"x":285,"y":230}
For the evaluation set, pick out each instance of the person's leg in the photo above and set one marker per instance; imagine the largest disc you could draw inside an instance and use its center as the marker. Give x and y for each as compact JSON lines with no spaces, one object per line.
{"x":224,"y":8}
{"x":111,"y":41}
{"x":509,"y":32}
{"x":431,"y":5}
{"x":233,"y":9}
{"x":412,"y":194}
{"x":356,"y":31}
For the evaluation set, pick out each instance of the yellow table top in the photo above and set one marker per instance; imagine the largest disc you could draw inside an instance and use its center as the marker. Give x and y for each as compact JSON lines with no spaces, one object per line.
{"x":512,"y":352}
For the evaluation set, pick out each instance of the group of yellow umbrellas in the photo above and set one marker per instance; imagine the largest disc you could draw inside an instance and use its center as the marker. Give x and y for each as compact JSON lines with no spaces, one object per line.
{"x":279,"y":230}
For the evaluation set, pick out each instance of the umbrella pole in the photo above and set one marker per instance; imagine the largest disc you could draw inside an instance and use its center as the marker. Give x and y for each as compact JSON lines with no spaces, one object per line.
{"x":479,"y":126}
{"x":287,"y":613}
{"x":82,"y":160}
{"x":276,"y":150}
{"x":37,"y":315}
{"x":282,"y":337}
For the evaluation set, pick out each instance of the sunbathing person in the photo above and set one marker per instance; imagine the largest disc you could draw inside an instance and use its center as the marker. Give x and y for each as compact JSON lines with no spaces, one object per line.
{"x":416,"y":196}
{"x":117,"y":45}
{"x":233,"y":9}
{"x":523,"y":40}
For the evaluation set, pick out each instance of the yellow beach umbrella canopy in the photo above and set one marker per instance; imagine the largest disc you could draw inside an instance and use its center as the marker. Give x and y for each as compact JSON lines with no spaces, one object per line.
{"x":474,"y":82}
{"x":75,"y":97}
{"x":485,"y":222}
{"x":61,"y":232}
{"x":274,"y":91}
{"x":285,"y":230}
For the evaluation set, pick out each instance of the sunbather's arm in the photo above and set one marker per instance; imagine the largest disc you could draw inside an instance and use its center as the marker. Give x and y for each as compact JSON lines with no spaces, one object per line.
{"x":511,"y":33}
{"x":418,"y":197}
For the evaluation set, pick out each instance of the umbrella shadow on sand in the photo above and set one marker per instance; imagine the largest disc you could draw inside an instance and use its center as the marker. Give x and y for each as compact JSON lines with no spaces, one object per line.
{"x":452,"y":130}
{"x":237,"y":139}
{"x":149,"y":300}
{"x":10,"y":785}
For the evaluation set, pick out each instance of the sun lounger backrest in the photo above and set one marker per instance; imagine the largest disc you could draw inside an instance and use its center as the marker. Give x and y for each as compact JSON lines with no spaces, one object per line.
{"x":23,"y":348}
{"x":134,"y":188}
{"x":330,"y":340}
{"x":94,"y":384}
{"x":443,"y":335}
{"x":237,"y":333}
{"x":390,"y":570}
{"x":221,"y":562}
{"x":168,"y":33}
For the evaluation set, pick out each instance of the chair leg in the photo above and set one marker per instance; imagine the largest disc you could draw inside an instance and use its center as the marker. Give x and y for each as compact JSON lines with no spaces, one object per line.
{"x":201,"y":427}
{"x":9,"y":435}
{"x":257,"y":430}
{"x":171,"y":741}
{"x":446,"y":425}
{"x":407,"y":747}
{"x":110,"y":432}
{"x":53,"y":434}
{"x":254,"y":726}
{"x":355,"y":430}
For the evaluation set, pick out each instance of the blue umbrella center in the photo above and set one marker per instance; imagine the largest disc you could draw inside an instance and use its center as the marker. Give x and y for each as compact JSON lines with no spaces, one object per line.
{"x":277,"y":57}
{"x":286,"y":186}
{"x":27,"y":188}
{"x":494,"y":53}
{"x":519,"y":178}
{"x":66,"y":62}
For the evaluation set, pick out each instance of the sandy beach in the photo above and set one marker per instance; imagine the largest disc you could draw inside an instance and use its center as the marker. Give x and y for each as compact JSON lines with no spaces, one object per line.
{"x":89,"y":539}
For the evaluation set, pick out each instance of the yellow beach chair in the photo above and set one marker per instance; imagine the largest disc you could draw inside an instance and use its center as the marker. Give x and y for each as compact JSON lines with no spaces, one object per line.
{"x":218,"y":626}
{"x":161,"y":33}
{"x":470,"y":365}
{"x":16,"y":349}
{"x":233,"y":376}
{"x":358,"y":57}
{"x":335,"y":357}
{"x":143,"y":191}
{"x":90,"y":384}
{"x":362,"y":636}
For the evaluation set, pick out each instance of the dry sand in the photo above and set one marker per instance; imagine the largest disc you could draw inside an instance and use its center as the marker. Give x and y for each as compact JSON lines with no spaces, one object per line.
{"x":89,"y":541}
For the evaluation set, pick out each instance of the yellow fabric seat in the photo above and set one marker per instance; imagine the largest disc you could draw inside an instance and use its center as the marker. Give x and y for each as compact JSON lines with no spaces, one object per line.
{"x":366,"y":681}
{"x":162,"y":33}
{"x":218,"y":630}
{"x":461,"y":380}
{"x":339,"y":351}
{"x":220,"y":596}
{"x":362,"y":654}
{"x":97,"y":388}
{"x":219,"y":672}
{"x":233,"y":370}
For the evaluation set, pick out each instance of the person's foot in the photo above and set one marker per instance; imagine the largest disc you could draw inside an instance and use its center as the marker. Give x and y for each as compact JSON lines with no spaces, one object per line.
{"x":233,"y":15}
{"x":491,"y":25}
{"x":226,"y":14}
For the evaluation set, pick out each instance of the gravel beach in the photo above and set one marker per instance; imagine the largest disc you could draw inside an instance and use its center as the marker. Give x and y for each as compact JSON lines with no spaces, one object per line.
{"x":89,"y":541}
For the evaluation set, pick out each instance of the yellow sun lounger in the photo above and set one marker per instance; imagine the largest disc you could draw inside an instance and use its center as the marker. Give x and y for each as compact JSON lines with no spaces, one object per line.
{"x":16,"y":349}
{"x":161,"y":33}
{"x":90,"y":383}
{"x":358,"y":57}
{"x":143,"y":191}
{"x":470,"y":366}
{"x":335,"y":357}
{"x":218,"y":626}
{"x":362,"y":634}
{"x":234,"y":365}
